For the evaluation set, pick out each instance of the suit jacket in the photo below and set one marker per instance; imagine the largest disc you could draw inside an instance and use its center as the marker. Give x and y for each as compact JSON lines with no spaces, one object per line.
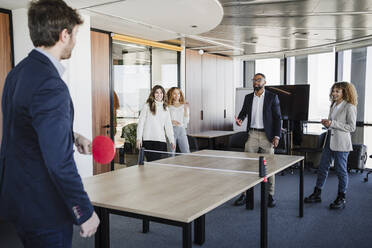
{"x":342,"y":125}
{"x":271,"y":114}
{"x":39,"y":183}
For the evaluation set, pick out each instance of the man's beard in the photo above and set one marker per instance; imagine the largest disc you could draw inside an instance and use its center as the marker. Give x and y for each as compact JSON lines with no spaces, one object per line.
{"x":257,"y":88}
{"x":67,"y":52}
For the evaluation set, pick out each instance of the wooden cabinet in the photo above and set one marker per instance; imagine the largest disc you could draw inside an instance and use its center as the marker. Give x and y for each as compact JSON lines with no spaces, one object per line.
{"x":210,"y":91}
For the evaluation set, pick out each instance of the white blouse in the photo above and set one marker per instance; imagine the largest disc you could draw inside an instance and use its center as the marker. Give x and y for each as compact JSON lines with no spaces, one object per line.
{"x":178,"y":114}
{"x":155,"y":127}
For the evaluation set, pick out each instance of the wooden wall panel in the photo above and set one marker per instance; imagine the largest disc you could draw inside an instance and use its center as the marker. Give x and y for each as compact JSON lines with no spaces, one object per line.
{"x":193,"y":89}
{"x":209,"y":92}
{"x":220,"y":93}
{"x":5,"y":56}
{"x":209,"y":87}
{"x":100,"y":52}
{"x":229,"y":93}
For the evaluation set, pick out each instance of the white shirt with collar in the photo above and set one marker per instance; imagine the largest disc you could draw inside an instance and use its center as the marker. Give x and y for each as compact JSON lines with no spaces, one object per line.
{"x":257,"y":111}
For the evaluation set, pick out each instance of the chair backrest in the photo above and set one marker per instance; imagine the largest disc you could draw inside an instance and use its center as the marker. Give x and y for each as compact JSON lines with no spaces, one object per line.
{"x":193,"y":143}
{"x":322,"y":140}
{"x":237,"y":141}
{"x":282,"y":147}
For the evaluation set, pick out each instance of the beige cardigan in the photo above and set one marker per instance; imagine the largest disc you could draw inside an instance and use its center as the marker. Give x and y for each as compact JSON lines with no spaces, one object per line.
{"x":342,"y":125}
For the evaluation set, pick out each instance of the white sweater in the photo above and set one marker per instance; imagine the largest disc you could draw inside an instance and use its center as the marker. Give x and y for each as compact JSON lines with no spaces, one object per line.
{"x":178,"y":114}
{"x":154,"y":127}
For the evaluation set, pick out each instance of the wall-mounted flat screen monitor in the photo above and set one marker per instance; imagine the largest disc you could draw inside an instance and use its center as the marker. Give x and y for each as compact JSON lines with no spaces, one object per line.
{"x":294,"y":100}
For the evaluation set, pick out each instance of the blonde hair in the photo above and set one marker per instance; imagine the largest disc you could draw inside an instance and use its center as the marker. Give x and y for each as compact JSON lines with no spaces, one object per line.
{"x":349,"y":93}
{"x":170,"y":95}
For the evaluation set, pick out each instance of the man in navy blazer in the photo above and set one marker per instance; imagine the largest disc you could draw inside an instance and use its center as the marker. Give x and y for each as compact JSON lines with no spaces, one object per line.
{"x":41,"y":191}
{"x":264,"y":125}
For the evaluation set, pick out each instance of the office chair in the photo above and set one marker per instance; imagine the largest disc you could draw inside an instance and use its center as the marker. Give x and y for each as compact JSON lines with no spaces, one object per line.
{"x":237,"y":141}
{"x":193,"y":143}
{"x":283,"y":146}
{"x":317,"y":149}
{"x":369,"y":172}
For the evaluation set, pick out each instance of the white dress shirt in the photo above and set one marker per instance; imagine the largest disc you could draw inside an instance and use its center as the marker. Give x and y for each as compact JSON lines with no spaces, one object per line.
{"x":257,"y":111}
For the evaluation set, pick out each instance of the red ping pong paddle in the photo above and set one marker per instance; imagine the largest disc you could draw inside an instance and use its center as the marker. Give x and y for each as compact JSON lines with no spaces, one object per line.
{"x":103,"y":149}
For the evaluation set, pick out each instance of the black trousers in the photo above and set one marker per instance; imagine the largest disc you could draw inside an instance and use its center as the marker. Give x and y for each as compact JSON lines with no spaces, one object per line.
{"x":157,"y":146}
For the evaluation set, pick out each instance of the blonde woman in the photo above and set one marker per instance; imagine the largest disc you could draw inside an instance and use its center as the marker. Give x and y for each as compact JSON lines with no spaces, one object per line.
{"x":155,"y":125}
{"x":340,"y":123}
{"x":179,"y":112}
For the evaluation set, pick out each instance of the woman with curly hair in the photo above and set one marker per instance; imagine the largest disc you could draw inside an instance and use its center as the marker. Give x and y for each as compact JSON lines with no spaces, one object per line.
{"x":154,"y":124}
{"x":179,"y":111}
{"x":340,"y":123}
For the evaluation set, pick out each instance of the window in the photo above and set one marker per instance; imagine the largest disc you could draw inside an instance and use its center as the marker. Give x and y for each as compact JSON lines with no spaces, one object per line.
{"x":136,"y":68}
{"x":271,"y":69}
{"x":131,"y":74}
{"x":164,"y":68}
{"x":321,"y":77}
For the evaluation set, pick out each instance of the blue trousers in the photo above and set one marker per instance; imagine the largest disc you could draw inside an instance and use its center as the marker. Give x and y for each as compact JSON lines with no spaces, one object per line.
{"x":180,"y":139}
{"x":60,"y":237}
{"x":340,"y":163}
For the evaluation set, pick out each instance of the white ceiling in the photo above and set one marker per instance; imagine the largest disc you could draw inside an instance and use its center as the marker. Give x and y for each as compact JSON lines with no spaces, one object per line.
{"x":148,"y":19}
{"x":233,"y":27}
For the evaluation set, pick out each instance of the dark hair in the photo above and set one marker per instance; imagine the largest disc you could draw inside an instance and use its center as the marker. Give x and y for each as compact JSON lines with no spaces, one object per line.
{"x":260,"y":74}
{"x":48,"y":18}
{"x":151,"y":99}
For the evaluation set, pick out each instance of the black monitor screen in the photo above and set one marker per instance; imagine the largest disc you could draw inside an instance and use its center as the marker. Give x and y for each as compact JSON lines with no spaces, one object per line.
{"x":294,"y":100}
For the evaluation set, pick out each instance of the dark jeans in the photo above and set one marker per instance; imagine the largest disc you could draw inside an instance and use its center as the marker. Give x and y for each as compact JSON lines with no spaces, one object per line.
{"x":60,"y":237}
{"x":157,"y":146}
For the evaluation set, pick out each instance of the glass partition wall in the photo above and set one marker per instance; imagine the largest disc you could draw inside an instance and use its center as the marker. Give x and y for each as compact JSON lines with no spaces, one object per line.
{"x":136,"y":69}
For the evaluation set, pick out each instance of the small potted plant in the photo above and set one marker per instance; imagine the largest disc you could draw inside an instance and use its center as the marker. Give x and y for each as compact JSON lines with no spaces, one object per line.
{"x":129,"y":133}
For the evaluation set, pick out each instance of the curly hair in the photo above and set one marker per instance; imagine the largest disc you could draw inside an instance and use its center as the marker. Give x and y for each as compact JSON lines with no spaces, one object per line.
{"x":151,"y":99}
{"x":349,"y":93}
{"x":170,"y":95}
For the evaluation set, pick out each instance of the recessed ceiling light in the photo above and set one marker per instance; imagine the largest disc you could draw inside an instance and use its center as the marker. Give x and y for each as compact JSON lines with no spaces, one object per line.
{"x":300,"y":33}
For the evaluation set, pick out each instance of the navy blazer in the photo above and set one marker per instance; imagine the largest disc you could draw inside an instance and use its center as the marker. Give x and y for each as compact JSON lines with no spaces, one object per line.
{"x":271,"y":114}
{"x":40,"y":186}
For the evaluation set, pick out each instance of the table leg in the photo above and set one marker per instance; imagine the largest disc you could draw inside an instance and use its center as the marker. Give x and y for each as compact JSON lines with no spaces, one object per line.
{"x":301,"y":189}
{"x":186,"y":235}
{"x":145,"y":226}
{"x":102,"y":236}
{"x":249,"y":199}
{"x":264,"y":214}
{"x":199,"y":230}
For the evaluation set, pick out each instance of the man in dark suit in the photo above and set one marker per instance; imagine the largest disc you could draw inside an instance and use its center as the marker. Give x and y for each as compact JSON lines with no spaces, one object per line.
{"x":264,"y":126}
{"x":41,"y":192}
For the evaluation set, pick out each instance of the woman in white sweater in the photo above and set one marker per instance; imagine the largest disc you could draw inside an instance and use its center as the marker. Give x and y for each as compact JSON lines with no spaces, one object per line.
{"x":154,"y":124}
{"x":179,"y":112}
